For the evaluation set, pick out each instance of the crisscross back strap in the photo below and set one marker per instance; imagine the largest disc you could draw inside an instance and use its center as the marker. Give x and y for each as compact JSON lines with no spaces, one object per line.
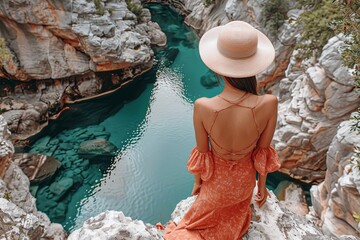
{"x":236,"y":103}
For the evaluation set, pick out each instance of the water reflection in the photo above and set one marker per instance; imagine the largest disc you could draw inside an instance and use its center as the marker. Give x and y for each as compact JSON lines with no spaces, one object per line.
{"x":139,"y":176}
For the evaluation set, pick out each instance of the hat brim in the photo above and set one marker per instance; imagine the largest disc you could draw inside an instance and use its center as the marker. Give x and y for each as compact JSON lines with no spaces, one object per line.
{"x":237,"y":68}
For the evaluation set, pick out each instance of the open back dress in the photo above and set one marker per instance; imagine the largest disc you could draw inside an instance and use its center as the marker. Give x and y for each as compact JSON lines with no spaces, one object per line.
{"x":222,"y":209}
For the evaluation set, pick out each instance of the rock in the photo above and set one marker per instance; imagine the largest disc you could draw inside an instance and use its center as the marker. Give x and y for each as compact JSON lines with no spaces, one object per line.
{"x":65,"y":38}
{"x":336,"y":199}
{"x":209,"y":80}
{"x":330,"y":60}
{"x":311,"y":106}
{"x":19,"y":216}
{"x":170,"y":56}
{"x":36,"y":167}
{"x":292,"y":197}
{"x":18,"y":210}
{"x":114,"y":225}
{"x":61,"y":187}
{"x":97,"y":149}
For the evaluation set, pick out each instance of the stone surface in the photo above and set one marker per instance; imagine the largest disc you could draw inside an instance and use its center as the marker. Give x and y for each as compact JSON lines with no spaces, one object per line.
{"x":97,"y":149}
{"x":337,"y":198}
{"x":19,"y":218}
{"x":62,"y":39}
{"x":36,"y":167}
{"x":114,"y":225}
{"x":292,"y":197}
{"x":312,"y":103}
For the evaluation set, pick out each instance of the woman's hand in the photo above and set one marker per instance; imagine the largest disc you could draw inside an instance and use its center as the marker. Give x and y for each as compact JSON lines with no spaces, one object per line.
{"x":261,"y":195}
{"x":196,"y":189}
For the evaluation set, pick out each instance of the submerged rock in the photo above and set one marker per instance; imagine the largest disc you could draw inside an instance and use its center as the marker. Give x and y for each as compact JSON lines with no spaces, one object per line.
{"x":36,"y":167}
{"x":97,"y":149}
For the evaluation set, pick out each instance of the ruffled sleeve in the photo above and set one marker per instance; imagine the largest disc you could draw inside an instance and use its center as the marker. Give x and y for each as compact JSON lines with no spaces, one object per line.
{"x":265,"y":160}
{"x":201,"y":163}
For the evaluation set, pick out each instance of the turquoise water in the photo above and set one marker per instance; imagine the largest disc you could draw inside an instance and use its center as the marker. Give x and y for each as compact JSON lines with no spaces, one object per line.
{"x":149,"y":121}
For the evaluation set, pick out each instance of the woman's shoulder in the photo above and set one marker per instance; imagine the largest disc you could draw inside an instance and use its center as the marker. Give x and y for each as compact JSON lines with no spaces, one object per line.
{"x":268,"y":99}
{"x":204,"y":103}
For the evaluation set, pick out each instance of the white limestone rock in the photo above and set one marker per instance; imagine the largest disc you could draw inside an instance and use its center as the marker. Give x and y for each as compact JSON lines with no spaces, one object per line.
{"x":6,"y":147}
{"x":337,"y":198}
{"x":62,"y":39}
{"x":315,"y":104}
{"x":114,"y":225}
{"x":19,"y":218}
{"x":330,"y":60}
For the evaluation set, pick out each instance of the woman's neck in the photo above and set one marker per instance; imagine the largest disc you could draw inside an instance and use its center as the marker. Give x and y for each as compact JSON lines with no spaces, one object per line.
{"x":230,"y":90}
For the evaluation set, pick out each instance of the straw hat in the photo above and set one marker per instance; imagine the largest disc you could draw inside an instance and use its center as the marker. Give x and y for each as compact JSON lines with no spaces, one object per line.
{"x":236,"y":50}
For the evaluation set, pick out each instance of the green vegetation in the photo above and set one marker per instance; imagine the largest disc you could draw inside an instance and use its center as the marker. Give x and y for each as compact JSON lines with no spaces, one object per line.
{"x":208,"y":2}
{"x":317,"y":24}
{"x":100,"y":10}
{"x":349,"y":24}
{"x":356,"y":217}
{"x":134,"y":7}
{"x":5,"y":53}
{"x":3,"y":110}
{"x":274,"y":12}
{"x":7,"y":195}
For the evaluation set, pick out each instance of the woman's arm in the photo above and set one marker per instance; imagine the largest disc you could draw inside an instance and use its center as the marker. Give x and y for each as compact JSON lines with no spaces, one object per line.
{"x":264,"y":142}
{"x":201,"y":137}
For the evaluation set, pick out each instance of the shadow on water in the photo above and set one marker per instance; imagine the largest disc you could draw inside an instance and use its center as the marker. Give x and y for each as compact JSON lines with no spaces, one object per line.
{"x":95,"y":111}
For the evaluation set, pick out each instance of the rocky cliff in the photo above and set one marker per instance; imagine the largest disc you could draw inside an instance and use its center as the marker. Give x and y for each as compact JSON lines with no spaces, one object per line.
{"x":59,"y":48}
{"x":314,"y":100}
{"x":336,"y":200}
{"x":19,"y":218}
{"x":272,"y":221}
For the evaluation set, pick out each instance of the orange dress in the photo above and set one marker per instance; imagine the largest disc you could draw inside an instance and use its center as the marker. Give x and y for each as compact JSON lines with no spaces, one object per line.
{"x":222,"y":209}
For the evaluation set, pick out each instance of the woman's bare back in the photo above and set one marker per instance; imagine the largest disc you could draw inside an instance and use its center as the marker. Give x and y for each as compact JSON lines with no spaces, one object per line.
{"x":235,"y":125}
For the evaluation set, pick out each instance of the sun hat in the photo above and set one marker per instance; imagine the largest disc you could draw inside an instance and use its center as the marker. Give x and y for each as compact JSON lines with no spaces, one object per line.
{"x":236,"y":50}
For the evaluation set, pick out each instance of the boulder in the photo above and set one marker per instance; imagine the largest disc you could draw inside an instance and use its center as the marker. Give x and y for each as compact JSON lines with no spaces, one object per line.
{"x":98,"y":148}
{"x":36,"y":167}
{"x":292,"y":197}
{"x":114,"y":225}
{"x":336,"y":199}
{"x":61,"y":187}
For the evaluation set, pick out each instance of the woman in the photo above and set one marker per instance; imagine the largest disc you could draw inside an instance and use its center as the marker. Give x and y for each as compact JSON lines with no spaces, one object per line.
{"x":233,"y":134}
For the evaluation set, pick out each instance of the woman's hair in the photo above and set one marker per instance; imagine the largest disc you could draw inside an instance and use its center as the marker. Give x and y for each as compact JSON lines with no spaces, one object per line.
{"x":247,"y":84}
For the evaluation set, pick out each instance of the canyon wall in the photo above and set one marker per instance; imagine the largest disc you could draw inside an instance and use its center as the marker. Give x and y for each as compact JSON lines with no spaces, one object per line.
{"x":53,"y":52}
{"x":49,"y":39}
{"x":313,"y":101}
{"x":336,"y":200}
